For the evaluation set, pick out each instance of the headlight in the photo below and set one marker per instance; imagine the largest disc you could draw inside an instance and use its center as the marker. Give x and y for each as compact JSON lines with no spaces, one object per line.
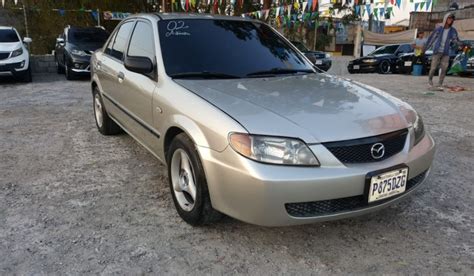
{"x":372,"y":60}
{"x":78,"y":53}
{"x":273,"y":150}
{"x":17,"y":52}
{"x":328,"y":55}
{"x":419,"y":129}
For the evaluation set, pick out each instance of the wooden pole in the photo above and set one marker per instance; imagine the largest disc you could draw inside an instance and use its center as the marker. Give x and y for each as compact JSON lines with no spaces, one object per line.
{"x":26,"y":21}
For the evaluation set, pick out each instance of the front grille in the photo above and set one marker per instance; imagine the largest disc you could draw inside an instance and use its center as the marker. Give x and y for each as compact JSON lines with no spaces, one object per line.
{"x":4,"y":55}
{"x":327,"y":207}
{"x":359,"y":150}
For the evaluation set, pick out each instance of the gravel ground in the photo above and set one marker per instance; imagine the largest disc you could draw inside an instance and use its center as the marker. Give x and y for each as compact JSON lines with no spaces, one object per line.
{"x":75,"y":202}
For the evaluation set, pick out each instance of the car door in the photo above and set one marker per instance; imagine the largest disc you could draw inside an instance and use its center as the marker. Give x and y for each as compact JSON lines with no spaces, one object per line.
{"x":136,"y":89}
{"x":111,"y":63}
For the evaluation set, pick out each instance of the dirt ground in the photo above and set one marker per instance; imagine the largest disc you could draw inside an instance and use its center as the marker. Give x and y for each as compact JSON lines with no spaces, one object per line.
{"x":75,"y":202}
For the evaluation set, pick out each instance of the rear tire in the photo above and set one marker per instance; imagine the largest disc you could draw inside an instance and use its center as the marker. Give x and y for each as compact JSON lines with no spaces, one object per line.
{"x":184,"y":170}
{"x":104,"y":123}
{"x":59,"y":68}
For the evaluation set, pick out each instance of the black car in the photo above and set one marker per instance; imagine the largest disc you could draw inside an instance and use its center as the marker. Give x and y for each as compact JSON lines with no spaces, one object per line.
{"x":74,"y":48}
{"x":383,"y":60}
{"x":321,"y":59}
{"x":405,"y":61}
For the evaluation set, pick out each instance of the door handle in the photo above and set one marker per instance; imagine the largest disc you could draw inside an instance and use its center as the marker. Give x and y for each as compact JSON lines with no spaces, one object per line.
{"x":121,"y":77}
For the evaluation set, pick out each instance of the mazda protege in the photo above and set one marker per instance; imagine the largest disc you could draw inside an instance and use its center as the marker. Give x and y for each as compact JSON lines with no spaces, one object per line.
{"x":249,"y":128}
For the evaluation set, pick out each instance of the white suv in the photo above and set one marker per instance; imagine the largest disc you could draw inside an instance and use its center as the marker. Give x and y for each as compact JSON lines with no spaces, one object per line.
{"x":14,"y":55}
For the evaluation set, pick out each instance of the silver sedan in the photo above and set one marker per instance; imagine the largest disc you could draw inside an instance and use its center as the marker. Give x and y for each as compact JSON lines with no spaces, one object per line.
{"x":249,"y":128}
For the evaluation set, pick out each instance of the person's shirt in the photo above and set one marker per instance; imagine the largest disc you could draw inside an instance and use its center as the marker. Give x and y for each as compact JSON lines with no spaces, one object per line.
{"x":419,"y":44}
{"x":444,"y":36}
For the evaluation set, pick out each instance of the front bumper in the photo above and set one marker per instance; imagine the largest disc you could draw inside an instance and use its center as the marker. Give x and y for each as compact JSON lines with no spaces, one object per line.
{"x":363,"y":67}
{"x":14,"y":66}
{"x":80,"y":64}
{"x":323,"y":64}
{"x":259,"y":193}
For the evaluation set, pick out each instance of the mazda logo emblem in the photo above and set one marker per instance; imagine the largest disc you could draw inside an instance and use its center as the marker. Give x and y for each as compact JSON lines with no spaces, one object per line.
{"x":377,"y":151}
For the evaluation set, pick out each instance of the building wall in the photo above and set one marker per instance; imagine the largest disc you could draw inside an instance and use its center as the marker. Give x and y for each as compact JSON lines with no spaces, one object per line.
{"x":426,"y":21}
{"x":443,"y":5}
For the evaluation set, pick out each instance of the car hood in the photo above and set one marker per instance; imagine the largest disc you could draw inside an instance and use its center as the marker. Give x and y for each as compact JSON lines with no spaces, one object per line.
{"x":10,"y":46}
{"x":314,"y":107}
{"x":88,"y":47}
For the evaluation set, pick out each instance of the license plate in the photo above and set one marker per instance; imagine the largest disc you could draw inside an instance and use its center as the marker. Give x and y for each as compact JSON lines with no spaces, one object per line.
{"x":387,"y":184}
{"x":407,"y":63}
{"x":319,"y":62}
{"x":356,"y":67}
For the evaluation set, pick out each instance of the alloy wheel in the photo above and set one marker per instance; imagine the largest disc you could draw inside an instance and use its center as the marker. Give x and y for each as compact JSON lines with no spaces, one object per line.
{"x":183,"y":180}
{"x":99,"y":116}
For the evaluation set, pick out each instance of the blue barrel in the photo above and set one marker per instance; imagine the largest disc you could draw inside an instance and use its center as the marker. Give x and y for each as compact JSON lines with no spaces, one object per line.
{"x":417,"y":69}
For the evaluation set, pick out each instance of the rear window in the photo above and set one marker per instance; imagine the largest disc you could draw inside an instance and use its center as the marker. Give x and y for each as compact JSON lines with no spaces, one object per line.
{"x":93,"y":35}
{"x":8,"y":36}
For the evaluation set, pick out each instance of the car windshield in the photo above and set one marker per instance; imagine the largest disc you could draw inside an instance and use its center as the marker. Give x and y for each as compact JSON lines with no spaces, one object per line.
{"x":7,"y":36}
{"x":93,"y":35}
{"x":390,"y":49}
{"x":226,"y":49}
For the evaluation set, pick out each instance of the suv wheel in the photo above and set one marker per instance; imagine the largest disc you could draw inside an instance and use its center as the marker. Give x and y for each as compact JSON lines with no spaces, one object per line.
{"x":188,"y":183}
{"x":104,"y":123}
{"x":26,"y":76}
{"x":69,"y":73}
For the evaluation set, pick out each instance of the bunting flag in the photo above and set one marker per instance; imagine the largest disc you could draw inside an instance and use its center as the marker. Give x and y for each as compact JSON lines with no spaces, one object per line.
{"x":304,"y":6}
{"x":422,"y":4}
{"x":416,"y":6}
{"x":357,"y":9}
{"x":367,"y":7}
{"x":390,"y":10}
{"x":399,"y":3}
{"x":382,"y":12}
{"x":428,"y":3}
{"x":376,"y":14}
{"x":363,"y":12}
{"x":315,"y":4}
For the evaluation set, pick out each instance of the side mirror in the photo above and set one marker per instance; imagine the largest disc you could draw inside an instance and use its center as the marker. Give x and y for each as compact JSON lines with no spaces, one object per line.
{"x":27,"y":40}
{"x":141,"y":65}
{"x":60,"y":40}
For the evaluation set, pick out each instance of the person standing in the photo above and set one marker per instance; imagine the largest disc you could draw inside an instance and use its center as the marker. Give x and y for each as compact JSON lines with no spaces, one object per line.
{"x":441,"y":39}
{"x":418,"y":46}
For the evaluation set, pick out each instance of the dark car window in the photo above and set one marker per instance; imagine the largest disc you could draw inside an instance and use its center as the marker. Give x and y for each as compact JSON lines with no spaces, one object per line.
{"x":121,"y":39}
{"x":110,"y":44}
{"x":141,"y":43}
{"x":87,"y":35}
{"x":389,"y":49}
{"x":7,"y":36}
{"x":405,"y":48}
{"x":300,"y":46}
{"x":227,"y":47}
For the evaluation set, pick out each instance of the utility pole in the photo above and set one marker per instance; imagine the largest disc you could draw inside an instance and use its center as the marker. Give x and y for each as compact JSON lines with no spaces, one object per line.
{"x":26,"y":21}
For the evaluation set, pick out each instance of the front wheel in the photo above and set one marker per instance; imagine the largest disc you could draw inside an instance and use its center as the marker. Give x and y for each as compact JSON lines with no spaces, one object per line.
{"x":188,"y":183}
{"x":70,"y":75}
{"x":104,"y":123}
{"x":384,"y":67}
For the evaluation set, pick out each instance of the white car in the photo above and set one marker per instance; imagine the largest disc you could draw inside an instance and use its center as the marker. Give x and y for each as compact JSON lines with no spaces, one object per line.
{"x":14,"y":55}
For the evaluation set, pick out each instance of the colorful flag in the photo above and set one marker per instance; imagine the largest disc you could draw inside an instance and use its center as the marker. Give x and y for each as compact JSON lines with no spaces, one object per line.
{"x":428,"y":3}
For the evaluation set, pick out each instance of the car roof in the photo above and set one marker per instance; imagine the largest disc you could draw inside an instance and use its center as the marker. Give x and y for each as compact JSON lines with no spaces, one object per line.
{"x":6,"y":28}
{"x":171,"y":16}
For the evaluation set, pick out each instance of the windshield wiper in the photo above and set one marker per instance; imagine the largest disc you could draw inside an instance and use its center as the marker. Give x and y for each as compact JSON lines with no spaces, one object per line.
{"x":204,"y":75}
{"x":279,"y":71}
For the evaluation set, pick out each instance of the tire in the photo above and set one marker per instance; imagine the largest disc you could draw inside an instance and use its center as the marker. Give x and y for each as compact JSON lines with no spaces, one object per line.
{"x":104,"y":123}
{"x":185,"y":170}
{"x":384,"y":67}
{"x":59,"y":68}
{"x":26,"y":76}
{"x":70,"y":75}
